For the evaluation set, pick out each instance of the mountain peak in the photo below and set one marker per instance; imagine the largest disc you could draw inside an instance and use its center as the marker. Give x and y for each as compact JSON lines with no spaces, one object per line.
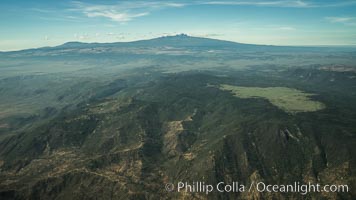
{"x":182,"y":35}
{"x":73,"y":44}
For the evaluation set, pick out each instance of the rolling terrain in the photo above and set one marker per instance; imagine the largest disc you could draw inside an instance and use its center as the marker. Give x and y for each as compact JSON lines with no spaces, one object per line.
{"x":121,"y":120}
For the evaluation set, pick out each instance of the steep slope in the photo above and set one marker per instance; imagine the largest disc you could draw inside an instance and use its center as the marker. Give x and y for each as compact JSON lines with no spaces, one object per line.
{"x":175,"y":129}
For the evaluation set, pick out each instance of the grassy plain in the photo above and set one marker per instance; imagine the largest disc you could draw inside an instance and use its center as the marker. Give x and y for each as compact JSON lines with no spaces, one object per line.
{"x":288,"y":99}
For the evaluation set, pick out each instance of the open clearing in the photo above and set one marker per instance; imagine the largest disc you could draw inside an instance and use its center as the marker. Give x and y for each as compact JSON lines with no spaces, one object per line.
{"x":288,"y":99}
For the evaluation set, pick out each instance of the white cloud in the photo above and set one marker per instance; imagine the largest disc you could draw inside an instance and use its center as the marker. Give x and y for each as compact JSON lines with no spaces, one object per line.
{"x":351,"y":21}
{"x":84,"y":36}
{"x":262,"y":3}
{"x":115,"y":16}
{"x":339,"y":19}
{"x":284,"y":3}
{"x":125,"y":11}
{"x":122,"y":11}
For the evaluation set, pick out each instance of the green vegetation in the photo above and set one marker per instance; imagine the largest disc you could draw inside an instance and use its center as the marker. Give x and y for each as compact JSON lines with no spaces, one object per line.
{"x":79,"y":124}
{"x":287,"y":99}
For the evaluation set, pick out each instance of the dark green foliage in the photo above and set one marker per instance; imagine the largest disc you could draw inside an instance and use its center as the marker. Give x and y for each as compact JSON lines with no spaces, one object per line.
{"x":114,"y":133}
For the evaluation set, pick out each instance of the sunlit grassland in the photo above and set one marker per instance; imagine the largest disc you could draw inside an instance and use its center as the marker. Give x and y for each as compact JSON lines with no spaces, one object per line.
{"x":288,"y":99}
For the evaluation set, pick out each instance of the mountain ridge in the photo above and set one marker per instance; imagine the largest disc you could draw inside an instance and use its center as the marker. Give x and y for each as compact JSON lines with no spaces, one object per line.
{"x":171,"y":40}
{"x":180,"y":40}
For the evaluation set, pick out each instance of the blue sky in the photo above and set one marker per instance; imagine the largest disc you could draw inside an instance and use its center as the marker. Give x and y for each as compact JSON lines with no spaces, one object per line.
{"x":37,"y":23}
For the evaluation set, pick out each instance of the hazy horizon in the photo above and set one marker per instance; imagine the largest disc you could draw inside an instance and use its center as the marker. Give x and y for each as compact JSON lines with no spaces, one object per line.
{"x":41,"y":23}
{"x":78,"y":41}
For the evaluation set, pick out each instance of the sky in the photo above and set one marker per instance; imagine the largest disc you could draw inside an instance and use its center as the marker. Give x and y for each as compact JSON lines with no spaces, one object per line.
{"x":37,"y":23}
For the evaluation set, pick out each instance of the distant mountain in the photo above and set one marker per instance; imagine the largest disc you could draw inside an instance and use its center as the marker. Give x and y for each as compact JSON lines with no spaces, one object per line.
{"x":181,"y":40}
{"x":150,"y":46}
